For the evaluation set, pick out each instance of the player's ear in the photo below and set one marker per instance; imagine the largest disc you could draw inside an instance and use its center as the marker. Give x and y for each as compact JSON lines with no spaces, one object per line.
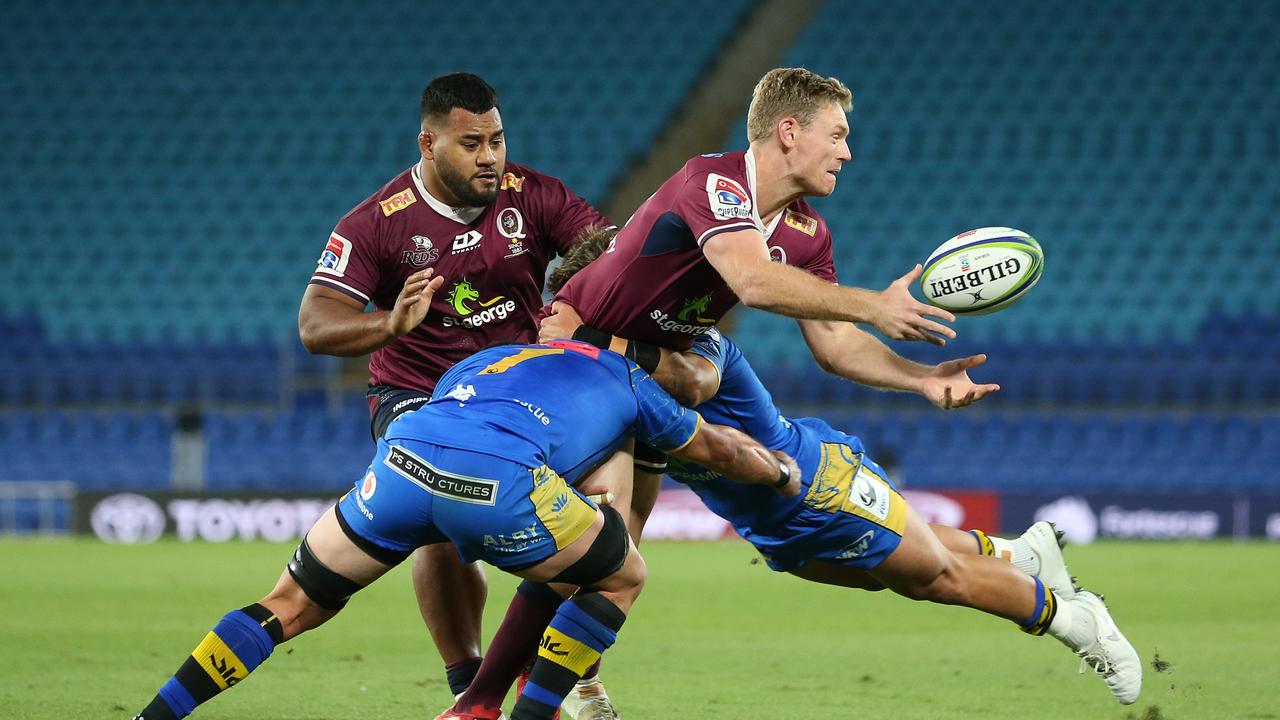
{"x":786,"y":130}
{"x":427,"y":143}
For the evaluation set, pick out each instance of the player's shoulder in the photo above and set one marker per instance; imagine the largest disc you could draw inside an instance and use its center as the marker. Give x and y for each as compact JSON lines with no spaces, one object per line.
{"x":731,"y":165}
{"x":803,"y":217}
{"x":397,"y":194}
{"x":520,"y":180}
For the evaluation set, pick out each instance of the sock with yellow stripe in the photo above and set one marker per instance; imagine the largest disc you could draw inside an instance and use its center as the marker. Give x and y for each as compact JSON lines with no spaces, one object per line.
{"x":992,"y":545}
{"x":1045,"y":610}
{"x":584,"y":627}
{"x":236,"y":645}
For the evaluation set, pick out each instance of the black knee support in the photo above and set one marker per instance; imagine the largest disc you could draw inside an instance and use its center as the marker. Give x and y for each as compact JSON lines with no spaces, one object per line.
{"x":605,"y":555}
{"x":325,"y":587}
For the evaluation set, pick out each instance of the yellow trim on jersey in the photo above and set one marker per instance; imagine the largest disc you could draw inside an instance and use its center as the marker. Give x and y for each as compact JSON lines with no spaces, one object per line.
{"x":692,"y":435}
{"x":566,"y":651}
{"x":564,"y":513}
{"x":219,"y":662}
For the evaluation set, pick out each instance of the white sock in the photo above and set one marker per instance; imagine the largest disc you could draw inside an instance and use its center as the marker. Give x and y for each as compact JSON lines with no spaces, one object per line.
{"x":1072,"y":625}
{"x":1002,"y":548}
{"x":1021,"y":556}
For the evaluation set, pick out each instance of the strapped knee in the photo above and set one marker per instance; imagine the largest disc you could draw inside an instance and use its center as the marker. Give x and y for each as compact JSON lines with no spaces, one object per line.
{"x":325,"y":587}
{"x":606,"y":554}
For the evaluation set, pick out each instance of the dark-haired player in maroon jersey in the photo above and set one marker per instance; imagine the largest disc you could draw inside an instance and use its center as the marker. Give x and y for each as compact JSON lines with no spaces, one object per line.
{"x":452,"y":253}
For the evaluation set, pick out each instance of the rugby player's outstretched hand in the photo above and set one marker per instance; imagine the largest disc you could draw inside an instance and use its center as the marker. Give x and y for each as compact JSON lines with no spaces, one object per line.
{"x":948,"y":385}
{"x":560,"y":324}
{"x":413,"y":302}
{"x":902,"y":317}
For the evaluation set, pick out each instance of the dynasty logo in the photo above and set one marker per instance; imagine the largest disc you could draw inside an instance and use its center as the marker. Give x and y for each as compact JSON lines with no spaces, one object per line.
{"x":461,"y":297}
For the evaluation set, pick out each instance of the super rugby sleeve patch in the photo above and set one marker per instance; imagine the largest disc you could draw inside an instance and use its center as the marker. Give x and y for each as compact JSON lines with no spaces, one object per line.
{"x":336,"y":255}
{"x":727,"y":198}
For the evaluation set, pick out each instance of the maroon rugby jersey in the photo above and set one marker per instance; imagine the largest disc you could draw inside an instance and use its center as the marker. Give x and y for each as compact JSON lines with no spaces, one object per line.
{"x":493,"y":260}
{"x":654,"y":284}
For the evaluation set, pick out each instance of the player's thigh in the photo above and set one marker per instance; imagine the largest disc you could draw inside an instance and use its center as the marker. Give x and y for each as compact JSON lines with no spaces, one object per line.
{"x":919,"y":559}
{"x":832,"y":573}
{"x":334,"y":547}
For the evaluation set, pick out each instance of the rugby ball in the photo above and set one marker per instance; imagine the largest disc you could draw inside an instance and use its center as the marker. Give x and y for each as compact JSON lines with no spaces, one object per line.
{"x":981,"y":271}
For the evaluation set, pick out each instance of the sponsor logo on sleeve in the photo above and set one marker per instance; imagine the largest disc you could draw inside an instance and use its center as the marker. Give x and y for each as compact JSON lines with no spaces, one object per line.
{"x":423,"y":253}
{"x":727,"y":198}
{"x":778,"y":254}
{"x":333,"y":261}
{"x":511,"y":181}
{"x":801,"y":222}
{"x":398,"y":202}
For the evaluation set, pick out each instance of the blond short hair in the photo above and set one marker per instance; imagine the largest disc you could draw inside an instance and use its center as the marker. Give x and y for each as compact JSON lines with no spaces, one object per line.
{"x":792,"y":92}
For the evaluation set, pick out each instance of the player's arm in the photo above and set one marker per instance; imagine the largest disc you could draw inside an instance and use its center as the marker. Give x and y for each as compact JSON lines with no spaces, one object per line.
{"x":742,"y":259}
{"x":332,"y":323}
{"x":737,"y":456}
{"x":691,"y":377}
{"x":671,"y":428}
{"x":843,"y":349}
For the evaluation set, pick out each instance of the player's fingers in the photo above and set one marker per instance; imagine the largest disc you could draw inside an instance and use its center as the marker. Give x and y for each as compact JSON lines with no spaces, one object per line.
{"x":601,"y":498}
{"x":932,"y":338}
{"x":946,"y":398}
{"x":910,"y":276}
{"x":435,"y":284}
{"x":937,"y":328}
{"x":413,"y":288}
{"x":973,"y":360}
{"x":420,"y":275}
{"x":558,"y":306}
{"x":926,"y":310}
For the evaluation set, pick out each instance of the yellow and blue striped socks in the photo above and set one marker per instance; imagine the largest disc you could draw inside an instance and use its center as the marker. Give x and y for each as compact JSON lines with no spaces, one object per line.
{"x":584,"y":627}
{"x":240,"y":642}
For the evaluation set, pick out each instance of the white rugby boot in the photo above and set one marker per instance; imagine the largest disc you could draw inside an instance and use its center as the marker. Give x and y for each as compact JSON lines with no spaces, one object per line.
{"x":1038,"y":551}
{"x":588,"y":701}
{"x":1084,"y":624}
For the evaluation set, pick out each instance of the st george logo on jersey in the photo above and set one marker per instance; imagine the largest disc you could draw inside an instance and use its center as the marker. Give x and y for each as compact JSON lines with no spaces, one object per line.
{"x":424,"y":252}
{"x":727,"y":198}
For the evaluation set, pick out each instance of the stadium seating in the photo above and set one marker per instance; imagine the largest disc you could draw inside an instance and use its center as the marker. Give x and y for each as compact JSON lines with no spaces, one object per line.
{"x":187,"y":201}
{"x":164,"y":218}
{"x":1143,"y":155}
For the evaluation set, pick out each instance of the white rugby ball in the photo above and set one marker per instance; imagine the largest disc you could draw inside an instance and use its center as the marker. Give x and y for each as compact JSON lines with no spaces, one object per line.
{"x":981,"y":271}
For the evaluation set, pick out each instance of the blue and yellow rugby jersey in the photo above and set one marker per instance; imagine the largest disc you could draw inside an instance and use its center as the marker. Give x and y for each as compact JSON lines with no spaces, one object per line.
{"x":566,"y":404}
{"x":744,"y":403}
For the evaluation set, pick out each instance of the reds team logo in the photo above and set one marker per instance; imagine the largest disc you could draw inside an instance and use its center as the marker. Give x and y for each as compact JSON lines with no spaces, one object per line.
{"x":727,"y":198}
{"x":423,"y":253}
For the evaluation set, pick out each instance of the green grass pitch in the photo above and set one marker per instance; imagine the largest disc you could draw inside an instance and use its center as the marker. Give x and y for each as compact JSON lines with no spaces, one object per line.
{"x":90,"y":630}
